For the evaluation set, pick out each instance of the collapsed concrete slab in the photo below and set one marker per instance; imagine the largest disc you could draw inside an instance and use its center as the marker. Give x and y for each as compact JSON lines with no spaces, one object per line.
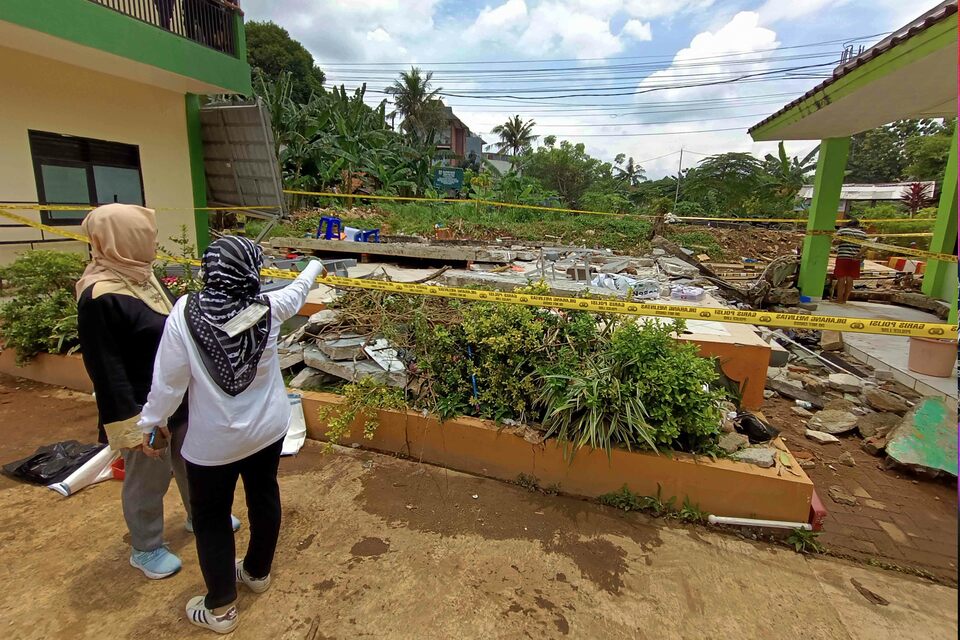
{"x":350,"y":370}
{"x":346,"y":346}
{"x":926,"y":438}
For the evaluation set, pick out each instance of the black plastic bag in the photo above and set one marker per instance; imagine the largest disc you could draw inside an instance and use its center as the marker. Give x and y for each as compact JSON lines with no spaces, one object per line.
{"x":53,"y":462}
{"x":754,"y":428}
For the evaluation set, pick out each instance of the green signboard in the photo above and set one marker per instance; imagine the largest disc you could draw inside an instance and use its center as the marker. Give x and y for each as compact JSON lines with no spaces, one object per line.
{"x":448,"y":179}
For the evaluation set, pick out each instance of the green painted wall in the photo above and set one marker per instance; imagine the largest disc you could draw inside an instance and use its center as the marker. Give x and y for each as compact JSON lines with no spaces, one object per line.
{"x":93,"y":25}
{"x":197,"y":174}
{"x":831,"y":165}
{"x":940,"y":278}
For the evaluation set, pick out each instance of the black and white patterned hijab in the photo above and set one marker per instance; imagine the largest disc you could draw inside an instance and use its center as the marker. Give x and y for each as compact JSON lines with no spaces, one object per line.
{"x":231,"y":284}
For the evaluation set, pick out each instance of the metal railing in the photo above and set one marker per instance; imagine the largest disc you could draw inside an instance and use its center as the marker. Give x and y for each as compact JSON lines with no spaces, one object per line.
{"x":211,"y":23}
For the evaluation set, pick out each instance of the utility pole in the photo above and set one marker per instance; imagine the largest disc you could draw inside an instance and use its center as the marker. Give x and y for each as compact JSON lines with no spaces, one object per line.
{"x":676,"y":196}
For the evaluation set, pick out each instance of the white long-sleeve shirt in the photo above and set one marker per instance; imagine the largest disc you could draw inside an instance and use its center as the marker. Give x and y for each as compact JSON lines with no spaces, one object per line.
{"x":224,"y":428}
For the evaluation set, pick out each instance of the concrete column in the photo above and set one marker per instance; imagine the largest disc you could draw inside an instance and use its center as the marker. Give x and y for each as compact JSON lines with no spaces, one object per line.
{"x":197,"y":174}
{"x":831,"y":165}
{"x":940,"y":278}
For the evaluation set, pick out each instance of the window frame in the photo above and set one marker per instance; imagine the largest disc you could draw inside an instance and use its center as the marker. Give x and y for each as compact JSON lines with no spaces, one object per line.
{"x":47,"y":216}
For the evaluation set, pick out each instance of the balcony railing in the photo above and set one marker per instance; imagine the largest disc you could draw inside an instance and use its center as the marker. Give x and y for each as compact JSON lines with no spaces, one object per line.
{"x":211,"y":23}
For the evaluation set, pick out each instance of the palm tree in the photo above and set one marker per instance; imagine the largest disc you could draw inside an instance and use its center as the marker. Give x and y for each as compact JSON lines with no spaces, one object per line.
{"x":631,"y":173}
{"x":515,"y":135}
{"x":417,"y":102}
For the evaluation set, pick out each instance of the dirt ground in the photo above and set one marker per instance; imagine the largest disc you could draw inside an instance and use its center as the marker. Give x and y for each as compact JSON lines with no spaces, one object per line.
{"x":377,"y":547}
{"x":899,"y":519}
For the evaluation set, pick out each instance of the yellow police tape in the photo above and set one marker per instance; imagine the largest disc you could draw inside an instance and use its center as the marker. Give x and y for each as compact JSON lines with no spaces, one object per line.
{"x":495,"y":203}
{"x":33,"y":206}
{"x":892,"y":248}
{"x":598,"y":305}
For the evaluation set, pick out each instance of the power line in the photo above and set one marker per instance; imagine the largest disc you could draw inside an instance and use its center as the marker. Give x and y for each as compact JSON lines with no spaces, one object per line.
{"x":645,"y":57}
{"x":644,"y":124}
{"x":634,"y":135}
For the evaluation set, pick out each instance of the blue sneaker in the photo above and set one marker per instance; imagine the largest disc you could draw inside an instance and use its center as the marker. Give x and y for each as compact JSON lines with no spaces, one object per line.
{"x":234,"y":520}
{"x":156,"y":564}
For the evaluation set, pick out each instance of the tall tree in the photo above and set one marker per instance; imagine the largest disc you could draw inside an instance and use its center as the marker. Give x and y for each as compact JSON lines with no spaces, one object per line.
{"x":515,"y":135}
{"x":271,"y":50}
{"x":875,"y":157}
{"x":927,"y":155}
{"x":567,"y":169}
{"x":724,"y":183}
{"x":417,"y":102}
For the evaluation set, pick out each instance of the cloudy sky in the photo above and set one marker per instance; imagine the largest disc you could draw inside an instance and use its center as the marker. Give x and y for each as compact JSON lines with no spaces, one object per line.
{"x":640,"y":77}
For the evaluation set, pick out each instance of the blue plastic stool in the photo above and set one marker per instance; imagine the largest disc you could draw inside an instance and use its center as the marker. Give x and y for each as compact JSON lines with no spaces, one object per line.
{"x":373,"y":235}
{"x":333,"y":226}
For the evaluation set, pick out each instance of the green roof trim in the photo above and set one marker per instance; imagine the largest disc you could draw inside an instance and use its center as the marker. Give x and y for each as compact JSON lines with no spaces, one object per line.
{"x":92,"y":25}
{"x":937,"y":36}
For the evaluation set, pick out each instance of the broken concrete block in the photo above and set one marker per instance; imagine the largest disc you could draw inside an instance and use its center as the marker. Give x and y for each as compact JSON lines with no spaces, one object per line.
{"x":883,"y":375}
{"x":580,"y":273}
{"x":784,"y":296}
{"x":677,"y":268}
{"x":760,"y":456}
{"x":846,"y":459}
{"x":800,"y":411}
{"x":833,"y":421}
{"x":811,"y":383}
{"x":831,"y":340}
{"x":350,"y":370}
{"x":840,"y":404}
{"x":821,"y":437}
{"x":845,"y":382}
{"x":309,"y":378}
{"x":886,"y":401}
{"x":877,"y":424}
{"x":290,"y":356}
{"x":733,"y":442}
{"x":615,"y":265}
{"x":874,"y":445}
{"x":344,"y":347}
{"x":926,"y":438}
{"x":839,"y":495}
{"x":321,"y":319}
{"x":767,"y":394}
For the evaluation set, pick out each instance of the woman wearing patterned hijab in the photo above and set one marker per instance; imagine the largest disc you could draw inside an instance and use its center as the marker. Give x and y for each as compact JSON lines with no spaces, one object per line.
{"x":221,"y":345}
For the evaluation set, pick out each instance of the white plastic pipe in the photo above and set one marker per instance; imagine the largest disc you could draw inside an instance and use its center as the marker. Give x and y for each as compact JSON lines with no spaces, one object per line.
{"x":750,"y":522}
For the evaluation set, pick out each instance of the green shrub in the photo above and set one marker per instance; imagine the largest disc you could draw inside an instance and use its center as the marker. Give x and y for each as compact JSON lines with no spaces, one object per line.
{"x":360,"y":399}
{"x":42,"y":314}
{"x":647,"y":389}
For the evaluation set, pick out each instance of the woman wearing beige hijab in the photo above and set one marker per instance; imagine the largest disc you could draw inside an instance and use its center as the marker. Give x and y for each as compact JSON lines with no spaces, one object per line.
{"x":122,"y":310}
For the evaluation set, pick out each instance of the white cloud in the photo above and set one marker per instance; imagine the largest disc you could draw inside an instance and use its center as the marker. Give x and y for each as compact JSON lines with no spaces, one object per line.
{"x":378,"y":35}
{"x":638,"y":30}
{"x":736,"y":40}
{"x":509,"y":16}
{"x":647,"y":9}
{"x":557,"y":27}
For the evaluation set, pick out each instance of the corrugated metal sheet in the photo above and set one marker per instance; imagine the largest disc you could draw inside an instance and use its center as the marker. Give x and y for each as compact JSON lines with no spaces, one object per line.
{"x":891,"y":191}
{"x":239,"y":158}
{"x":924,"y":22}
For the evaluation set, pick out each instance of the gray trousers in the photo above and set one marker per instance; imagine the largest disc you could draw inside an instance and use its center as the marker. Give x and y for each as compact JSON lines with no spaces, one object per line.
{"x":145,"y":482}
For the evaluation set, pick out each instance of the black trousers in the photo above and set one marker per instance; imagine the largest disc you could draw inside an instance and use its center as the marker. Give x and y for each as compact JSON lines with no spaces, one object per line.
{"x":211,"y":500}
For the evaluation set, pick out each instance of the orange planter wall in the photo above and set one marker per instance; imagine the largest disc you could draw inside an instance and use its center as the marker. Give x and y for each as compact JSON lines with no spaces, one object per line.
{"x":476,"y":446}
{"x":58,"y":370}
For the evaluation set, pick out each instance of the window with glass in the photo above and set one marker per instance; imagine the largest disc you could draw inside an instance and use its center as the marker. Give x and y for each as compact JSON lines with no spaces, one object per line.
{"x":83,"y":171}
